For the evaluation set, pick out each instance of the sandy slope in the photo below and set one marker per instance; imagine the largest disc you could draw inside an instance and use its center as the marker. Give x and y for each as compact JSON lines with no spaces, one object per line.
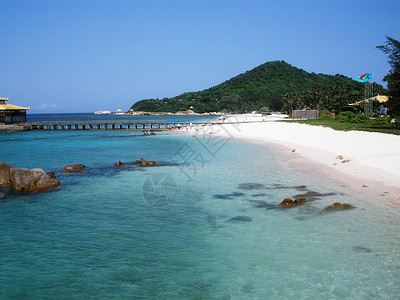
{"x":369,"y":159}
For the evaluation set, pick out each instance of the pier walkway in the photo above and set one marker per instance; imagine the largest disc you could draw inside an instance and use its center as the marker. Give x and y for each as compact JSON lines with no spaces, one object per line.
{"x":101,"y":125}
{"x":107,"y":125}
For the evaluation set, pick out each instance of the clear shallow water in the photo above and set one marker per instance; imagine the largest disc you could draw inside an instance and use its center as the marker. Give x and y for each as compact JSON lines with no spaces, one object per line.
{"x":99,"y":236}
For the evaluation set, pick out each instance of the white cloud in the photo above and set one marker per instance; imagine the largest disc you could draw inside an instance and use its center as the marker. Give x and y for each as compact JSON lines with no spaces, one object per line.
{"x":47,"y":106}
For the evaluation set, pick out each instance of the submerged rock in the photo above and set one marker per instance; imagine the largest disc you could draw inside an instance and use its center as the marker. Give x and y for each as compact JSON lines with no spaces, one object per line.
{"x":240,"y":219}
{"x":144,"y":162}
{"x":251,"y":186}
{"x":338,"y":206}
{"x":286,"y":203}
{"x":300,"y":187}
{"x":311,"y":195}
{"x":262,"y":204}
{"x":362,"y":249}
{"x":228,"y":196}
{"x":260,"y":195}
{"x":74,"y":167}
{"x":4,"y":175}
{"x":2,"y":195}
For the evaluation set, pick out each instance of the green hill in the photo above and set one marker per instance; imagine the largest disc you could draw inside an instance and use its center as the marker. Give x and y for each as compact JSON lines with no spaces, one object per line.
{"x":274,"y":85}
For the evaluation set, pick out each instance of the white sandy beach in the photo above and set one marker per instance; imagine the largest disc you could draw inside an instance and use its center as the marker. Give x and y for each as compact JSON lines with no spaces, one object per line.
{"x":371,"y":161}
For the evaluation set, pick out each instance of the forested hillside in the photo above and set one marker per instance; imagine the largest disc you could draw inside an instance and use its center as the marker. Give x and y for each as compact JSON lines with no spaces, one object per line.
{"x":274,"y":85}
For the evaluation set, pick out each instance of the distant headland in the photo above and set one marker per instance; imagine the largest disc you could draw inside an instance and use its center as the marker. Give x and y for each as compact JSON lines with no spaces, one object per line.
{"x":272,"y":86}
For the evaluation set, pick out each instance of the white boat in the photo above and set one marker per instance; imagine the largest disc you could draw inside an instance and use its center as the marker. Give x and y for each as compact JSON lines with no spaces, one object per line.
{"x":102,"y":112}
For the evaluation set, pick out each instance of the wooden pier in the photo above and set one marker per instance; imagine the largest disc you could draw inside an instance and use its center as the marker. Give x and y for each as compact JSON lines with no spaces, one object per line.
{"x":102,"y":125}
{"x":115,"y":125}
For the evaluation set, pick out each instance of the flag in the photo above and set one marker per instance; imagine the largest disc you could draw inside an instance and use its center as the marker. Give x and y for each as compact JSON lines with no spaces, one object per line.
{"x":364,"y":77}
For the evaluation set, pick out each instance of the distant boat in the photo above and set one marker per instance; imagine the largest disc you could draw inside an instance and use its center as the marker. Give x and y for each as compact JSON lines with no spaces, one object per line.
{"x":102,"y":112}
{"x":119,"y":112}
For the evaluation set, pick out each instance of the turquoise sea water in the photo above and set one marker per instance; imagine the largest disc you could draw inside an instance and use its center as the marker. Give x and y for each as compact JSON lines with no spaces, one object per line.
{"x":201,"y":225}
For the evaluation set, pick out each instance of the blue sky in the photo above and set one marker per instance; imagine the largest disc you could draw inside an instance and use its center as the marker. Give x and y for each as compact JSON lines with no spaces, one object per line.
{"x":84,"y":56}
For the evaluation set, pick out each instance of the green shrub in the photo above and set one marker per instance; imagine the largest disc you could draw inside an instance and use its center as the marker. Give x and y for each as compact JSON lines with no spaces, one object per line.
{"x":325,"y":118}
{"x":346,"y":117}
{"x":324,"y":112}
{"x":379,"y":121}
{"x":360,"y":118}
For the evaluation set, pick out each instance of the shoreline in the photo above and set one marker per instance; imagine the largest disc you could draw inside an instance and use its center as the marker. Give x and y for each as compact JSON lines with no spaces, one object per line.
{"x":369,"y":162}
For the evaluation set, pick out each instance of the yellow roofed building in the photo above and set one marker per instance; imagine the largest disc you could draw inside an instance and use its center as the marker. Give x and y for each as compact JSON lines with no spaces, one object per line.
{"x":379,"y":98}
{"x":11,"y":114}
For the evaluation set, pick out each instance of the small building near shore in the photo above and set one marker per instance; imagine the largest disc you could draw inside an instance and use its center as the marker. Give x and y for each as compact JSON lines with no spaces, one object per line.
{"x":11,"y":114}
{"x":304,"y":114}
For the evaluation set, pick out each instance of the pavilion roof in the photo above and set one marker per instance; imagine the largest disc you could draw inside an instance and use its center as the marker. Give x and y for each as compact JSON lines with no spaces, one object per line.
{"x":12,"y":107}
{"x":379,"y":98}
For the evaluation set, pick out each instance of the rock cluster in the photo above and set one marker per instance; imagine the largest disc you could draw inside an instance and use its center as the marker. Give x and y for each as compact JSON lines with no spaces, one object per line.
{"x":290,"y":203}
{"x":338,"y":206}
{"x":24,"y":180}
{"x":75,"y":167}
{"x":149,"y":133}
{"x":144,"y":162}
{"x":341,"y":158}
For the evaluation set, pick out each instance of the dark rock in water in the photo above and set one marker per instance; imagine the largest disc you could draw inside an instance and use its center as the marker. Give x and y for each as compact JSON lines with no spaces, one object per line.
{"x":222,"y":196}
{"x":327,"y":194}
{"x":2,"y":195}
{"x":362,"y":249}
{"x":311,"y":195}
{"x":251,"y":186}
{"x":4,"y":175}
{"x":228,"y":196}
{"x":74,"y":167}
{"x":259,"y":195}
{"x":279,"y":186}
{"x":152,"y":133}
{"x":338,"y":206}
{"x":236,"y":194}
{"x":240,"y":219}
{"x":74,"y":172}
{"x":290,"y":203}
{"x":287,"y":202}
{"x":24,"y":180}
{"x":300,"y":187}
{"x":118,"y":163}
{"x":262,"y":204}
{"x":144,"y":162}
